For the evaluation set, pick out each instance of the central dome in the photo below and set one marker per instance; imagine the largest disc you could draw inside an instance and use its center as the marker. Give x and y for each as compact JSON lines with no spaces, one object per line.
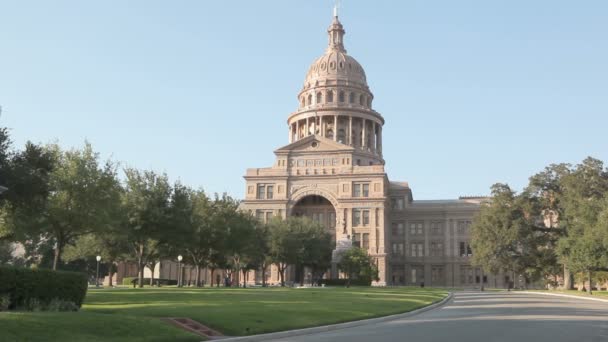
{"x":336,"y":65}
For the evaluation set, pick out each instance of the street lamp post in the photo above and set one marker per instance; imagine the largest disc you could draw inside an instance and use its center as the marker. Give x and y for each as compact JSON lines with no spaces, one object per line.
{"x":97,"y":276}
{"x":179,"y":270}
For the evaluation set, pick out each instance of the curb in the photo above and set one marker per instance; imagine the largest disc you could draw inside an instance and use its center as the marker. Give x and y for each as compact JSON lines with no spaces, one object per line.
{"x":324,"y":328}
{"x":565,"y":295}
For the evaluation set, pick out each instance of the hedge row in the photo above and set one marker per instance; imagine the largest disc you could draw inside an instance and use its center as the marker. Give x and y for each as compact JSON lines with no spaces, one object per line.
{"x":130,"y":280}
{"x":342,"y":282}
{"x":24,"y":286}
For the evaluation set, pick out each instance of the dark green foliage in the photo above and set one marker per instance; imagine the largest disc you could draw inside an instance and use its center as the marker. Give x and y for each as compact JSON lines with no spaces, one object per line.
{"x":43,"y":287}
{"x":133,"y":280}
{"x":362,"y":281}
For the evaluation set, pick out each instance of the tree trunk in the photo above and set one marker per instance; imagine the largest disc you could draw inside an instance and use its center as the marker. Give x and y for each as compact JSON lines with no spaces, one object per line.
{"x":212,"y":271}
{"x":110,"y":268}
{"x":140,"y":265}
{"x":590,"y":279}
{"x":58,"y":251}
{"x":198,"y":276}
{"x":244,"y":278}
{"x":282,"y":275}
{"x":152,"y":268}
{"x":568,"y":279}
{"x":264,"y":275}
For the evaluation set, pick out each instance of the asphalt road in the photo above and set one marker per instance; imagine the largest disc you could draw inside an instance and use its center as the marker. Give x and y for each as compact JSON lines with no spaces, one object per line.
{"x":487,"y":317}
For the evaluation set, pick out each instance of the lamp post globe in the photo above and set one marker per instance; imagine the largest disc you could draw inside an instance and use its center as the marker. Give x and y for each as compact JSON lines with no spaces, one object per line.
{"x":98,"y":258}
{"x":179,"y":270}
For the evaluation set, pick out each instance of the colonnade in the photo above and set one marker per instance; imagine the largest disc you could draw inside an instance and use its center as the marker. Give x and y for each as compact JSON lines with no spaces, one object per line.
{"x":352,"y":131}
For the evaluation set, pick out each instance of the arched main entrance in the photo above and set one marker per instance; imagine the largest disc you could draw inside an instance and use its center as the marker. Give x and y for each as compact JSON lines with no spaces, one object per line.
{"x":318,"y":209}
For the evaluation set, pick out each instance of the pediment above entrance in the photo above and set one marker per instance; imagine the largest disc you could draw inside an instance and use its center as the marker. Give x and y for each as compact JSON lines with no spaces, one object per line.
{"x":315,"y":144}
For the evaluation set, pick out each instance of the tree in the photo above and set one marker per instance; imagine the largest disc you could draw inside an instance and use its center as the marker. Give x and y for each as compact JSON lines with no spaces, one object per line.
{"x":503,"y":235}
{"x":146,"y":204}
{"x":60,"y":196}
{"x":283,"y":245}
{"x":27,"y":175}
{"x":356,"y":263}
{"x":300,"y":242}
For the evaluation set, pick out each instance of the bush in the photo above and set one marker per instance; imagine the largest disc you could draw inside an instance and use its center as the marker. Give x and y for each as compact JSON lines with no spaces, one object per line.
{"x":342,"y":282}
{"x":128,"y":280}
{"x":36,"y":289}
{"x":131,"y":280}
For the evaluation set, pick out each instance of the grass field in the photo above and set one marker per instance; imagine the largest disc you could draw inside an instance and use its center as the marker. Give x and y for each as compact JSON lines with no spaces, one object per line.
{"x":601,"y":294}
{"x":133,"y":314}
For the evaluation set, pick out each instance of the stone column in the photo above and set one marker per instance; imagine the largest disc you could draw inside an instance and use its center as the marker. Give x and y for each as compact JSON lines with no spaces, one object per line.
{"x":322,"y":127}
{"x":350,"y":131}
{"x":307,"y":131}
{"x":335,"y":128}
{"x":290,"y":133}
{"x":375,"y":137}
{"x":380,"y":139}
{"x":297,"y":123}
{"x":364,"y":137}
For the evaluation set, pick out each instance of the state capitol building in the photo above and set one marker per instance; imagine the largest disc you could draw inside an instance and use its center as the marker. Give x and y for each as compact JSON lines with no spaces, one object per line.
{"x":332,"y":171}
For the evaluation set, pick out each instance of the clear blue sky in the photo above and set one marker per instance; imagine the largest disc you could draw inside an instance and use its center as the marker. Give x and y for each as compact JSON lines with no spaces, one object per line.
{"x":473,"y":92}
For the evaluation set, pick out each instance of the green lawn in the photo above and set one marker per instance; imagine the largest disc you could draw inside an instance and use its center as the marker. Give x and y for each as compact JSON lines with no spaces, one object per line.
{"x":578,"y":293}
{"x":133,"y":314}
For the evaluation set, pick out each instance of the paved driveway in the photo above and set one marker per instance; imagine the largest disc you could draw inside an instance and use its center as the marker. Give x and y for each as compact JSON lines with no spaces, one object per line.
{"x":488,"y":317}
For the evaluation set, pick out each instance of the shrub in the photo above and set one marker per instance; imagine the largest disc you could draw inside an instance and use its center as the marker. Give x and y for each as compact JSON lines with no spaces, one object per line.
{"x":61,"y":305}
{"x":35,"y":289}
{"x":342,"y":282}
{"x":130,"y":280}
{"x":5,"y":302}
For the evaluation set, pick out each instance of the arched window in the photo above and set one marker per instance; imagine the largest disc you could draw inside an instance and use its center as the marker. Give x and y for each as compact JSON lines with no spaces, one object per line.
{"x":303,"y":100}
{"x":341,"y":96}
{"x":319,"y":97}
{"x":369,"y":102}
{"x":361,"y":100}
{"x":341,"y":136}
{"x":351,"y":98}
{"x":309,"y":99}
{"x":329,"y":97}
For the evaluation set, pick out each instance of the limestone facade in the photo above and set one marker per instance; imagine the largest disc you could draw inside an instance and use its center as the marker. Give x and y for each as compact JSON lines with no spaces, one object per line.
{"x":332,"y":171}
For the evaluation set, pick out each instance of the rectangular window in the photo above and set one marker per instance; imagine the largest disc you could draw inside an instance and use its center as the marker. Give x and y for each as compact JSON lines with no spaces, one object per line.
{"x":436,"y":248}
{"x":366,"y":217}
{"x":356,"y":190}
{"x":332,"y":220}
{"x":417,"y":273}
{"x":398,"y":249}
{"x":365,"y":240}
{"x":356,"y":240}
{"x":464,"y":249}
{"x":463,"y":226}
{"x":397,"y":203}
{"x":417,"y":249}
{"x":356,"y":217}
{"x":360,"y":189}
{"x":268,"y":216}
{"x":269,"y":192}
{"x":261,"y":191}
{"x":416,"y":228}
{"x":436,"y":275}
{"x":436,"y":227}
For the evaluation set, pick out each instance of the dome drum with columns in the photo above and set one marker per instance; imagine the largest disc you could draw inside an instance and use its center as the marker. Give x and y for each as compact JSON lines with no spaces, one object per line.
{"x":332,"y":171}
{"x":336,"y":102}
